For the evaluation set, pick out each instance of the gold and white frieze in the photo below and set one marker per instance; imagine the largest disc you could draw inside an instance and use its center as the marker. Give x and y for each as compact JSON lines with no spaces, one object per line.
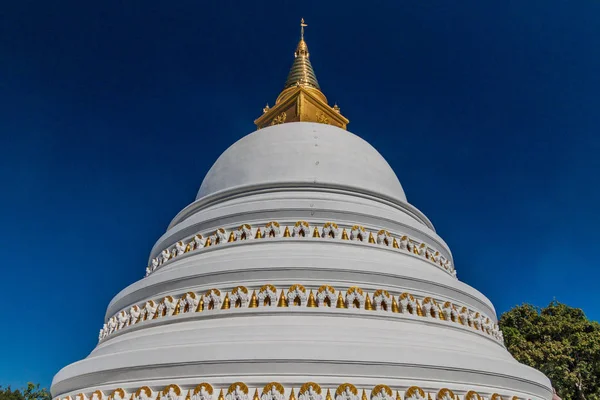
{"x":302,"y":230}
{"x":324,"y":297}
{"x":277,"y":391}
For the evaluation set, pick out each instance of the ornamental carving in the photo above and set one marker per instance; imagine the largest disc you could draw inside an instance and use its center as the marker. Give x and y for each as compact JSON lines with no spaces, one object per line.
{"x":358,"y":233}
{"x":473,"y":395}
{"x":117,"y":394}
{"x":447,"y":394}
{"x":244,"y":232}
{"x":414,"y":393}
{"x":434,"y":256}
{"x":488,"y":325}
{"x":463,"y":316}
{"x":150,"y":309}
{"x":220,"y":236}
{"x":179,"y":248}
{"x":171,"y":392}
{"x":301,"y":229}
{"x":384,"y":237}
{"x":408,"y":304}
{"x":122,"y":320}
{"x":135,"y":315}
{"x":237,"y":391}
{"x":203,"y":391}
{"x":355,"y":298}
{"x":279,"y":119}
{"x":143,"y":393}
{"x":198,"y":242}
{"x":330,"y":230}
{"x":165,"y":256}
{"x":272,"y":229}
{"x":346,"y":391}
{"x":326,"y":296}
{"x":475,"y":318}
{"x":421,"y":249}
{"x":322,"y":118}
{"x":382,"y":300}
{"x":212,"y":299}
{"x":276,"y":391}
{"x":430,"y":308}
{"x":167,"y":307}
{"x":189,"y":303}
{"x":382,"y":392}
{"x":298,"y":296}
{"x":267,"y":295}
{"x":239,"y":297}
{"x":310,"y":391}
{"x":272,"y":391}
{"x":450,"y":312}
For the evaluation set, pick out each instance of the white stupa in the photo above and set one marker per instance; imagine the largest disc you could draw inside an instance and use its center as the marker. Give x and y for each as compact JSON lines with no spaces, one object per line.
{"x":300,"y":272}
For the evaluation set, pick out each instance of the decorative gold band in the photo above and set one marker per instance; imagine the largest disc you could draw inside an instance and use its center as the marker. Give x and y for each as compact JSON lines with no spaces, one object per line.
{"x":303,"y":230}
{"x":297,"y":295}
{"x":276,"y":391}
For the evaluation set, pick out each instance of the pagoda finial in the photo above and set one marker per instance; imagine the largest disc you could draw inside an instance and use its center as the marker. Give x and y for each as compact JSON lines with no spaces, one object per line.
{"x":301,"y":99}
{"x":302,"y":73}
{"x":302,"y":25}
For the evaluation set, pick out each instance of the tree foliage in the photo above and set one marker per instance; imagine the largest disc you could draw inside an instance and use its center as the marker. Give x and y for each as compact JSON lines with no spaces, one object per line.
{"x":559,"y":341}
{"x":31,"y":392}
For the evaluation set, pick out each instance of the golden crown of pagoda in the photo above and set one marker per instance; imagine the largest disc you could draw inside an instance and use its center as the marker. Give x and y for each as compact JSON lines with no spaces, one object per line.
{"x":301,"y":99}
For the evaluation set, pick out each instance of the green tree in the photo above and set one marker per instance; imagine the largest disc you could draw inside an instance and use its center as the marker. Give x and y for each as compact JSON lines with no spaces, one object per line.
{"x":559,"y":341}
{"x":31,"y":392}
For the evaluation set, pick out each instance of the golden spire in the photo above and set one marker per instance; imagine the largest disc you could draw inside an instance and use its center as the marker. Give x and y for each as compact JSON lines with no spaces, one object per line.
{"x":302,"y":73}
{"x":302,"y":25}
{"x":301,"y":99}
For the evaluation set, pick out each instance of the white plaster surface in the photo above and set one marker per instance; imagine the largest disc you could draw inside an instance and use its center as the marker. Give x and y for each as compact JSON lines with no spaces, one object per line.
{"x":273,"y":174}
{"x":302,"y":152}
{"x":317,"y":261}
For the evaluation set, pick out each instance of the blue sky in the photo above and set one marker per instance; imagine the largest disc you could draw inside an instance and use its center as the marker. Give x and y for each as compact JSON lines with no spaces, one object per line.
{"x":111,"y":113}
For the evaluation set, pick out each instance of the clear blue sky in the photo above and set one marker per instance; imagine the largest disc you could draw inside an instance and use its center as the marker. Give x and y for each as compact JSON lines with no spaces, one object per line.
{"x":110,"y":115}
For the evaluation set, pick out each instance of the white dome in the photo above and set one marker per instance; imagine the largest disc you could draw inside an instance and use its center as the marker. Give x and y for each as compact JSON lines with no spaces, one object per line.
{"x":208,"y":311}
{"x":302,"y":154}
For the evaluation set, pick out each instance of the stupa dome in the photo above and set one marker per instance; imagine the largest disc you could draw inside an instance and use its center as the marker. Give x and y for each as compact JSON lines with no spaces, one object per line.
{"x":300,"y":272}
{"x":302,"y":154}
